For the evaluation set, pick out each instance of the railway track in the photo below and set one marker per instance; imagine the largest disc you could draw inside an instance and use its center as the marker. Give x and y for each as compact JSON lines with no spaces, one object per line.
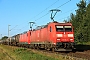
{"x":82,"y":55}
{"x":85,"y":55}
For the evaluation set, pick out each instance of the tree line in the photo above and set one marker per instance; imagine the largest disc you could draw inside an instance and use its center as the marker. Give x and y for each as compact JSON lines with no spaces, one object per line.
{"x":81,"y":22}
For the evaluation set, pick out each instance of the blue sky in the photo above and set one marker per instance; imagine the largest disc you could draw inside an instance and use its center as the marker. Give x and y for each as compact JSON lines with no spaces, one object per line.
{"x":18,"y":13}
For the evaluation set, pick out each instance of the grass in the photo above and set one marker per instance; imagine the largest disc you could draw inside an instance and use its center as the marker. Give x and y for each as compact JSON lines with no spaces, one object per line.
{"x":84,"y":43}
{"x":88,"y":43}
{"x":24,"y":54}
{"x":3,"y":56}
{"x":29,"y":55}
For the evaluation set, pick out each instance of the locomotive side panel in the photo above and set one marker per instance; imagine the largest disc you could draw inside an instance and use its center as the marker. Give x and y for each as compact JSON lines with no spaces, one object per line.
{"x":51,"y":33}
{"x":20,"y":39}
{"x":23,"y":38}
{"x":44,"y":35}
{"x":33,"y":36}
{"x":28,"y":36}
{"x":38,"y":36}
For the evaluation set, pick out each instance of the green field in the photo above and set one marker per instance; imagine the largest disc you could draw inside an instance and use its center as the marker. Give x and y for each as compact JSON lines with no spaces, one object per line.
{"x":25,"y":54}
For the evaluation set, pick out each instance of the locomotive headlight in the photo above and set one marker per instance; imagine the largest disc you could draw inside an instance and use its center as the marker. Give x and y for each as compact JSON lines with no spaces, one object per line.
{"x":54,"y":43}
{"x":70,"y":35}
{"x":71,"y":39}
{"x":59,"y":35}
{"x":58,"y":39}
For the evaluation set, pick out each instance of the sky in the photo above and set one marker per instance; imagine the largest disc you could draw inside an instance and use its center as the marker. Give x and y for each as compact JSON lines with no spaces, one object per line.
{"x":16,"y":14}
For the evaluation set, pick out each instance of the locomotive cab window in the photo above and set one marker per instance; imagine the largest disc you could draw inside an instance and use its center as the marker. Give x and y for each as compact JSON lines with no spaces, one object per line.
{"x":59,"y":28}
{"x":50,"y":29}
{"x":68,"y":28}
{"x":30,"y":33}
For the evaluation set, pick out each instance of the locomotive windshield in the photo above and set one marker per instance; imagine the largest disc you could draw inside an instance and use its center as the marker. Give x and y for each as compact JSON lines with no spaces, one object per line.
{"x":68,"y":28}
{"x":59,"y":28}
{"x":63,"y":28}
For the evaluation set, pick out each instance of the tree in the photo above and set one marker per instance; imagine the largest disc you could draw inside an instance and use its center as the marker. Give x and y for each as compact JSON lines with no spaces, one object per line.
{"x":4,"y":38}
{"x":79,"y":20}
{"x":87,"y":22}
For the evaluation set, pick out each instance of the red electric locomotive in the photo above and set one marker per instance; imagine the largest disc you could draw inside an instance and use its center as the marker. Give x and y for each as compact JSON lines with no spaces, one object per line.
{"x":56,"y":36}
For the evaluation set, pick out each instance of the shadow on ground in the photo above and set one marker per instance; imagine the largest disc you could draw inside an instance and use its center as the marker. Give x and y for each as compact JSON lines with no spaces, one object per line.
{"x":82,"y":47}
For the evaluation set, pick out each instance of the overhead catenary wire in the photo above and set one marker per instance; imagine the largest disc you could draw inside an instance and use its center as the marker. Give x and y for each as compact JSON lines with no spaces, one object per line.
{"x":64,"y":4}
{"x":42,"y":12}
{"x":45,"y":9}
{"x":48,"y":8}
{"x":42,"y":16}
{"x":17,"y":30}
{"x":64,"y":18}
{"x":48,"y":12}
{"x":65,"y":13}
{"x":68,"y":11}
{"x":56,"y":8}
{"x":13,"y":27}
